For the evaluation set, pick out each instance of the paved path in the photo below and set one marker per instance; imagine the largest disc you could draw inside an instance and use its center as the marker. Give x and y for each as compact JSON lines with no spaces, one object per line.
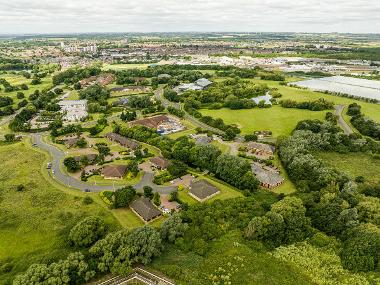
{"x":342,"y":123}
{"x":59,"y":175}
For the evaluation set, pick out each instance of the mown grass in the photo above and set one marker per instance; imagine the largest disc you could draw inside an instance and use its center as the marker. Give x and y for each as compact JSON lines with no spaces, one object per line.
{"x":280,"y":121}
{"x":244,"y":262}
{"x":125,"y":66}
{"x":35,"y":222}
{"x":354,"y":164}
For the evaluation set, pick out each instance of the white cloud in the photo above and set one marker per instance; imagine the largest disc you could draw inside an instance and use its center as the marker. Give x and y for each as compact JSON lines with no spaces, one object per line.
{"x":50,"y":16}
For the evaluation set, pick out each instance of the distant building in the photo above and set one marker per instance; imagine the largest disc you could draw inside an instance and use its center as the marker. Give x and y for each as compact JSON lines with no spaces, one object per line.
{"x":202,"y":190}
{"x":200,"y":84}
{"x":73,"y":110}
{"x":144,"y":208}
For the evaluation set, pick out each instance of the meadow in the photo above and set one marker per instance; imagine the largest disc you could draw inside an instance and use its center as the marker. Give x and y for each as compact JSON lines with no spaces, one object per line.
{"x":36,"y":219}
{"x":353,"y":164}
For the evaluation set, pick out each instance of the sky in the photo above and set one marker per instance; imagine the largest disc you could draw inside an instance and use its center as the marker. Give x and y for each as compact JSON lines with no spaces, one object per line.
{"x":78,"y":16}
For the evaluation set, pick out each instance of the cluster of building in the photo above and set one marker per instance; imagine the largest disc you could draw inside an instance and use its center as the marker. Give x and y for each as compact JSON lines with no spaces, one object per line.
{"x":162,"y":123}
{"x":77,"y":48}
{"x":268,"y":177}
{"x":200,"y":84}
{"x":73,"y":110}
{"x":103,"y":80}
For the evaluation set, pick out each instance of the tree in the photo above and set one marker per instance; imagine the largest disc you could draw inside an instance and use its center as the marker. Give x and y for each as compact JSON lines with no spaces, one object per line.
{"x":177,"y":168}
{"x":157,"y":199}
{"x":9,"y":137}
{"x":71,"y":164}
{"x":72,"y":270}
{"x":361,"y":250}
{"x":173,"y":228}
{"x":87,"y":232}
{"x":124,"y":196}
{"x":148,"y":192}
{"x":82,"y":143}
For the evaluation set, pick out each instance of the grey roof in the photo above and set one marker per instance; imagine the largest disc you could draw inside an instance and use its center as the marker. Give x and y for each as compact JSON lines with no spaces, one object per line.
{"x":270,"y":178}
{"x":126,"y":142}
{"x":145,"y":209}
{"x":202,"y":189}
{"x":203,"y":82}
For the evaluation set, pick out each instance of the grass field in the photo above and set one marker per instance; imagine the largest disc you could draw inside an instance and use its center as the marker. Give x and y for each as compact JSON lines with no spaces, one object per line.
{"x":354,"y":164}
{"x":13,"y":79}
{"x":35,"y":222}
{"x":280,"y":121}
{"x":124,"y":66}
{"x":244,"y":262}
{"x":370,"y":109}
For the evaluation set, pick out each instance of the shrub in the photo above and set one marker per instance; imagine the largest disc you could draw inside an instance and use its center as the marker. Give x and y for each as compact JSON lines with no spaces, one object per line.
{"x":87,"y":232}
{"x":87,"y":200}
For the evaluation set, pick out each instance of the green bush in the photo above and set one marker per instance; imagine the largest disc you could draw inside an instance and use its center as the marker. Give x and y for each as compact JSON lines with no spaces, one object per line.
{"x":87,"y":232}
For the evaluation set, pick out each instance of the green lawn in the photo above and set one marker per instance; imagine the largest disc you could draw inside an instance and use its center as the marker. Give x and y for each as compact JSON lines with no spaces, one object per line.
{"x":35,"y":222}
{"x":354,"y":164}
{"x":244,"y":262}
{"x":13,"y":79}
{"x":124,"y":66}
{"x":370,"y":109}
{"x":280,"y":121}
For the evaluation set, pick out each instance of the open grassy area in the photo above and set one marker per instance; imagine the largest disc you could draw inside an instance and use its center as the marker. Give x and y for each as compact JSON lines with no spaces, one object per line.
{"x":354,"y":164}
{"x":245,"y":263}
{"x":35,"y":222}
{"x":125,"y":66}
{"x":370,"y":109}
{"x":280,"y":121}
{"x":15,"y":80}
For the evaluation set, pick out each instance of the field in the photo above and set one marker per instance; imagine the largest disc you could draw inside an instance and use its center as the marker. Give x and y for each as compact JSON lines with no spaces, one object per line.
{"x":124,"y":66}
{"x":282,"y":121}
{"x":46,"y":83}
{"x":279,"y":120}
{"x":245,"y":263}
{"x":41,"y":215}
{"x":354,"y":164}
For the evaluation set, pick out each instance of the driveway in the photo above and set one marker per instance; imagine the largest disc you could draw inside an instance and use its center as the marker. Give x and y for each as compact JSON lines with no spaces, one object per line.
{"x":59,"y":175}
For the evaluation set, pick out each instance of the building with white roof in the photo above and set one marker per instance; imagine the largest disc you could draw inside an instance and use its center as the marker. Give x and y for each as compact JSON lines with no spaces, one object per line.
{"x":73,"y":110}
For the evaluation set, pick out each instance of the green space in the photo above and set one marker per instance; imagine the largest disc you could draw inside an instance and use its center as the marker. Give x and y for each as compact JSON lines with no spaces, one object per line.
{"x":281,"y":121}
{"x":124,"y":66}
{"x":354,"y":164}
{"x":243,"y":262}
{"x":39,"y":215}
{"x":127,"y":180}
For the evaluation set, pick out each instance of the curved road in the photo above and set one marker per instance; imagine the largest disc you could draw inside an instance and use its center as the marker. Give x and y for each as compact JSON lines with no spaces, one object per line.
{"x":342,"y":123}
{"x":58,"y":155}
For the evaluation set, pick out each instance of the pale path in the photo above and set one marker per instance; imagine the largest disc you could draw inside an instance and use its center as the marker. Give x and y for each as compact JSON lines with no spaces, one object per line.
{"x":342,"y":123}
{"x":59,"y":175}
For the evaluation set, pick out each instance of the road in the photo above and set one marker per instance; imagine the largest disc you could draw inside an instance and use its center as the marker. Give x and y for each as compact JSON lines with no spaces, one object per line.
{"x":166,"y":103}
{"x":342,"y":123}
{"x":63,"y":178}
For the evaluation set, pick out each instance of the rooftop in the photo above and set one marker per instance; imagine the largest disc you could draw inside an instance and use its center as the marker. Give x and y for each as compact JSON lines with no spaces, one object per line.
{"x":145,"y":209}
{"x":202,"y":189}
{"x":114,"y":171}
